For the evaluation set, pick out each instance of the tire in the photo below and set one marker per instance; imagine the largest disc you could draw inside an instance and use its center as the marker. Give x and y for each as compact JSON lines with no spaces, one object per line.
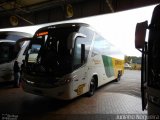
{"x":92,"y":88}
{"x":17,"y":80}
{"x":118,"y":78}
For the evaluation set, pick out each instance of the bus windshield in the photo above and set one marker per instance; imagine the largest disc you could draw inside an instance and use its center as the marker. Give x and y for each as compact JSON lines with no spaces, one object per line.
{"x":48,"y":52}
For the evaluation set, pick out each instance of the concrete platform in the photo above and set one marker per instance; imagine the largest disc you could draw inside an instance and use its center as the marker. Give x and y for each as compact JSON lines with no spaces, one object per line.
{"x":102,"y":106}
{"x":112,"y":101}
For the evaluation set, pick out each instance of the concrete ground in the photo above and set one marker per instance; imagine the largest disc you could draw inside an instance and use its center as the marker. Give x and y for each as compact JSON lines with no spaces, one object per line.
{"x":109,"y":102}
{"x":130,"y":84}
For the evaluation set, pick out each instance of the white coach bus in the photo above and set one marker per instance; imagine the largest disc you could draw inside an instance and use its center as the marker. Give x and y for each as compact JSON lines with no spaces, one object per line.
{"x":67,"y":60}
{"x":10,"y":51}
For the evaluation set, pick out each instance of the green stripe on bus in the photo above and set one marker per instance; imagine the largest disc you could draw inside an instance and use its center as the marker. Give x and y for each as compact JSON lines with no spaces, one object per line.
{"x":108,"y":65}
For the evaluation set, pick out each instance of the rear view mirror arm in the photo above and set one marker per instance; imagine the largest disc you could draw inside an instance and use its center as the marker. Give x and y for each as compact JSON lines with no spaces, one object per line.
{"x":143,"y":50}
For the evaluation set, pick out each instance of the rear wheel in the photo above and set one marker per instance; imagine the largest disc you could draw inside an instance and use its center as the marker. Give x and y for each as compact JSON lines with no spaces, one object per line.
{"x":118,"y":77}
{"x":92,"y":87}
{"x":17,"y":80}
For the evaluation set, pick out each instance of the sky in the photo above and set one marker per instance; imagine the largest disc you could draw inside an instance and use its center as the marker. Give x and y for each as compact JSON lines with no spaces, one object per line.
{"x":118,"y":28}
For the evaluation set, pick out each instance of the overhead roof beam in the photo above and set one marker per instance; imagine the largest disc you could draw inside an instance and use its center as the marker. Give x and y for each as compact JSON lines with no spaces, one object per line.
{"x":44,"y":5}
{"x":5,"y":1}
{"x":32,"y":8}
{"x":110,"y":5}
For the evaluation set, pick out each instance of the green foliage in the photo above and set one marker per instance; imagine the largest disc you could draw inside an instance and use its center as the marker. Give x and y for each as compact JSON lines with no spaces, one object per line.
{"x":132,"y":59}
{"x":134,"y":62}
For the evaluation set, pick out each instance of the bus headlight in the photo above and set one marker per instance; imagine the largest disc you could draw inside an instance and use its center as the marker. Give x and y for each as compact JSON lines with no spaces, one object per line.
{"x":68,"y":80}
{"x":30,"y":82}
{"x":65,"y":80}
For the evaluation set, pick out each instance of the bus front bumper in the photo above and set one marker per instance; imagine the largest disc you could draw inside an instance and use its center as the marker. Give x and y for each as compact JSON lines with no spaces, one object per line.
{"x":61,"y":92}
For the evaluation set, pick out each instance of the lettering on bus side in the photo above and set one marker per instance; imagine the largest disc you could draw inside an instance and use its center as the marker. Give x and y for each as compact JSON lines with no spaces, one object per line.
{"x":96,"y":61}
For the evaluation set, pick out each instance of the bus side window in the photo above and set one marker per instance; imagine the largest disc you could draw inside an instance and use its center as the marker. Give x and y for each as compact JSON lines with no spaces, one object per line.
{"x":4,"y":54}
{"x":7,"y":53}
{"x":102,"y":46}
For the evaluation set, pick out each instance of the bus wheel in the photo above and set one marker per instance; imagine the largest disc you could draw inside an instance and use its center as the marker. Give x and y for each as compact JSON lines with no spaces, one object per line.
{"x":92,"y":88}
{"x":118,"y":77}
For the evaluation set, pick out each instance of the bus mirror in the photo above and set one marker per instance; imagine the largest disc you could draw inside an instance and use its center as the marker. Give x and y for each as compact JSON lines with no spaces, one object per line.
{"x":71,"y":39}
{"x":140,"y":34}
{"x":82,"y":53}
{"x":19,"y":43}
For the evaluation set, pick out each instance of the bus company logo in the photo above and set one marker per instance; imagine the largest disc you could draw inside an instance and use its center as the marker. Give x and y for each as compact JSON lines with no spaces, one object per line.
{"x":79,"y":90}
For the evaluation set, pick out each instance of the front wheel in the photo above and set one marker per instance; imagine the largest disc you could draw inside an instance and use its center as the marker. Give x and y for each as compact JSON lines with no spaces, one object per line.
{"x":17,"y":80}
{"x":92,"y":87}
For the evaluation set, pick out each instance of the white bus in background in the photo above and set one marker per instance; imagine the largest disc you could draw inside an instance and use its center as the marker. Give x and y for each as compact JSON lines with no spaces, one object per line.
{"x":65,"y":61}
{"x":10,"y":51}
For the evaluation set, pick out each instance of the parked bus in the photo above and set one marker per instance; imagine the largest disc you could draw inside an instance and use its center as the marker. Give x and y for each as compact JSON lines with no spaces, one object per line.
{"x":150,"y":77}
{"x":67,"y":60}
{"x":9,"y":51}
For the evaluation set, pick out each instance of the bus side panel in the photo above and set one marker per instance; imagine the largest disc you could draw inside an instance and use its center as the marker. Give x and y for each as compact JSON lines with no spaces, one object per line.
{"x":98,"y":69}
{"x":79,"y":81}
{"x":102,"y":66}
{"x":118,"y":66}
{"x":6,"y":71}
{"x":108,"y":65}
{"x":111,"y":62}
{"x":105,"y":67}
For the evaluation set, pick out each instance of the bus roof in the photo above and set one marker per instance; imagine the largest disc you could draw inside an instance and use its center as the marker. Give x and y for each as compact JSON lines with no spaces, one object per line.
{"x":13,"y":35}
{"x":62,"y":25}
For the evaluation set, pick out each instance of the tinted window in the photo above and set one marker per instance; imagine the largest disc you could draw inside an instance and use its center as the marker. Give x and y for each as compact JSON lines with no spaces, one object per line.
{"x":7,"y":52}
{"x":101,"y":46}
